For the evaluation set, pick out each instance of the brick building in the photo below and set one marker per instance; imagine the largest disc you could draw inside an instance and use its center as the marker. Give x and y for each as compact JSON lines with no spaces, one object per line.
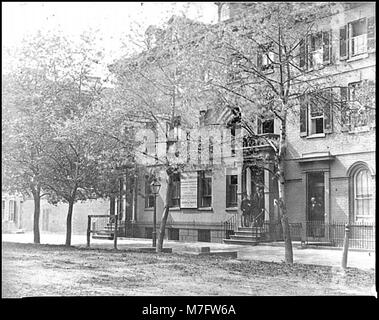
{"x":330,"y":160}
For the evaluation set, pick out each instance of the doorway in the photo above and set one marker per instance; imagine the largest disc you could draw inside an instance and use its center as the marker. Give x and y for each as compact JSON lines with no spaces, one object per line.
{"x":315,"y":205}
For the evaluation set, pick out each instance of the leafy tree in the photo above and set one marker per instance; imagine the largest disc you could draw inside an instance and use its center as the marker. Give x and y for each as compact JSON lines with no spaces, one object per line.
{"x":50,"y":89}
{"x":259,"y":62}
{"x":161,"y":82}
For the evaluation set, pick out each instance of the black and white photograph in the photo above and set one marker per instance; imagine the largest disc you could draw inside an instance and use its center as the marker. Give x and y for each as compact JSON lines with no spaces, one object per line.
{"x":196,"y":149}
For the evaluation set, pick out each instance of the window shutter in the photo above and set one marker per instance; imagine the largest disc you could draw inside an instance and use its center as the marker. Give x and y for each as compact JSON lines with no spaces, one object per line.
{"x":227,"y":190}
{"x":302,"y":54}
{"x":310,"y":47}
{"x":303,"y":116}
{"x":344,"y":48}
{"x":259,"y":125}
{"x":326,"y":46}
{"x":259,"y":59}
{"x":371,"y":34}
{"x":328,"y":112}
{"x":344,"y":109}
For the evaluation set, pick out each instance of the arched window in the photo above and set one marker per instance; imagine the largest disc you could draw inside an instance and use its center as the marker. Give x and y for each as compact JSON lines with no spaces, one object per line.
{"x":362,"y":197}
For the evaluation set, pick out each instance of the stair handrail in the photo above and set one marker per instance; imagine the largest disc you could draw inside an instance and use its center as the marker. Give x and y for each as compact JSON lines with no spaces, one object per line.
{"x":231,"y":222}
{"x":254,"y":228}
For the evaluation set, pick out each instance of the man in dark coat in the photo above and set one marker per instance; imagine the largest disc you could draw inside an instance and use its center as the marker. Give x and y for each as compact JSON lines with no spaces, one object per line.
{"x":246,"y":209}
{"x":258,"y":207}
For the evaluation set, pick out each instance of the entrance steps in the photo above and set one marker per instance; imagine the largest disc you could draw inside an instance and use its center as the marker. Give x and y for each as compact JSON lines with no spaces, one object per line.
{"x":245,"y":236}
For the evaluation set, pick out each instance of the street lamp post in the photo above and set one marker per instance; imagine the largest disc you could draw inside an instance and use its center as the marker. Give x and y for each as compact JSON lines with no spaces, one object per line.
{"x":155,"y":186}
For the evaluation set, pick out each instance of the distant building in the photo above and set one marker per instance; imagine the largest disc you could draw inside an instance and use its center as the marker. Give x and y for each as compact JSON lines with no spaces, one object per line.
{"x":11,"y":213}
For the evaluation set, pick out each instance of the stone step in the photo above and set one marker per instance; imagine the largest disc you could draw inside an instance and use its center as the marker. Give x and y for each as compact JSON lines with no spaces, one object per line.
{"x":248,"y":233}
{"x":249,"y":228}
{"x":241,"y":242}
{"x":239,"y":237}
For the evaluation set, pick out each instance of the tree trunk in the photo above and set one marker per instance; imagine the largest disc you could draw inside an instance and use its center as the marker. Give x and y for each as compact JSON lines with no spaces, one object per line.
{"x":281,"y":186}
{"x":288,"y":252}
{"x":165,"y":213}
{"x":37,"y":210}
{"x":112,"y":203}
{"x":69,"y":222}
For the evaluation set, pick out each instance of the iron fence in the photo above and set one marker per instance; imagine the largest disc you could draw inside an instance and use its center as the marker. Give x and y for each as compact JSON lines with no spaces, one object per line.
{"x":361,"y":236}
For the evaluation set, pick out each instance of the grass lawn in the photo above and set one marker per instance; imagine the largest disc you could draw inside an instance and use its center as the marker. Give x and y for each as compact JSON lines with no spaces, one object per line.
{"x":53,"y":270}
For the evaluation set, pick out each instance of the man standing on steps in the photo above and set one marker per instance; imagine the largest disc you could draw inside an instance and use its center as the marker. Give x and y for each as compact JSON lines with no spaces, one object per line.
{"x":258,"y":208}
{"x":246,"y":208}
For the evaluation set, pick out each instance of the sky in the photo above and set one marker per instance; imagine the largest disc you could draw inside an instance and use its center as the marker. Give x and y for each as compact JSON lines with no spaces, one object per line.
{"x":112,"y":19}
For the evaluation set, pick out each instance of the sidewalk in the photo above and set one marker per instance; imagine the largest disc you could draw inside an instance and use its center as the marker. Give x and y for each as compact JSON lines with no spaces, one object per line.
{"x":270,"y":253}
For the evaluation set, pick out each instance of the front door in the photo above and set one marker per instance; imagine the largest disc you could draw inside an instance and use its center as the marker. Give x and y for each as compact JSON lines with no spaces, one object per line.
{"x":315,"y":205}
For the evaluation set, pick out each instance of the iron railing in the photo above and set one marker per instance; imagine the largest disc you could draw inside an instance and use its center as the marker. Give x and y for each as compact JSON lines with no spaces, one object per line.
{"x":230,"y":226}
{"x":361,"y":236}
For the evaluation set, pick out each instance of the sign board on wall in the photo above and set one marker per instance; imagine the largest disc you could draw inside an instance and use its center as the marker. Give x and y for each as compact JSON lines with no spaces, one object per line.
{"x":188,"y":190}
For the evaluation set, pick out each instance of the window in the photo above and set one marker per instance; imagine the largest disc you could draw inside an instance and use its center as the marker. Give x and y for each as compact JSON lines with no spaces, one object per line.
{"x":356,"y":113}
{"x":149,"y":196}
{"x":173,"y":234}
{"x":205,"y":189}
{"x":265,"y":58}
{"x":231,"y":191}
{"x":316,"y":50}
{"x":149,"y":233}
{"x":211,"y":150}
{"x":233,"y":140}
{"x":358,"y":41}
{"x":224,"y":12}
{"x":357,"y":38}
{"x":316,"y":113}
{"x":363,"y":195}
{"x":204,"y":235}
{"x":2,"y":210}
{"x":235,"y":70}
{"x":265,"y":126}
{"x":175,"y":191}
{"x":12,"y":210}
{"x":316,"y":116}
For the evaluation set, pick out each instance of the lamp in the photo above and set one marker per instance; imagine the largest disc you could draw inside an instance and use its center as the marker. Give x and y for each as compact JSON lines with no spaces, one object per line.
{"x":155,"y":186}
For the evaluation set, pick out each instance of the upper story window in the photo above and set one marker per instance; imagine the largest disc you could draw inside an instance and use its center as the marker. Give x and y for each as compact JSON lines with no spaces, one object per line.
{"x":358,"y":41}
{"x":12,"y":210}
{"x":3,"y":209}
{"x":265,"y":126}
{"x":357,"y":38}
{"x":356,"y":113}
{"x":316,"y":113}
{"x":224,"y":13}
{"x":316,"y":50}
{"x":266,"y":57}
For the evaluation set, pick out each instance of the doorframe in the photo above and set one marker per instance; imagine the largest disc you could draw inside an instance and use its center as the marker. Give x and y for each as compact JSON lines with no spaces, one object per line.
{"x":327,"y":200}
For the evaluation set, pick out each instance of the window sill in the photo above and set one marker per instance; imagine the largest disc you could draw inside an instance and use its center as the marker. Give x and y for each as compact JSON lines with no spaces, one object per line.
{"x":205,"y":209}
{"x":358,"y":57}
{"x":317,"y":135}
{"x":174,"y":209}
{"x":231,"y":209}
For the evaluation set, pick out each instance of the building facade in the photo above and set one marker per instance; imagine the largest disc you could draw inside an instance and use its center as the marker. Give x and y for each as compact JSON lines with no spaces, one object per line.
{"x":330,"y":163}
